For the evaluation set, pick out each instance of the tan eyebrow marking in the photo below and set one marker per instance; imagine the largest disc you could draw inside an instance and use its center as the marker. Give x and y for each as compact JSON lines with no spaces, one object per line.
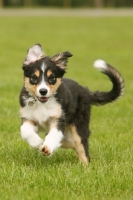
{"x":37,"y":73}
{"x":49,"y":73}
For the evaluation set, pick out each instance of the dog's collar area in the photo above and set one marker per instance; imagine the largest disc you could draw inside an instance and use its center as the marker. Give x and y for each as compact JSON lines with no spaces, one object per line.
{"x":41,"y":100}
{"x":31,"y":102}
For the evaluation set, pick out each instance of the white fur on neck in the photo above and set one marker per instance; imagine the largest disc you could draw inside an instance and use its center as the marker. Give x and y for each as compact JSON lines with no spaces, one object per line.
{"x":41,"y":112}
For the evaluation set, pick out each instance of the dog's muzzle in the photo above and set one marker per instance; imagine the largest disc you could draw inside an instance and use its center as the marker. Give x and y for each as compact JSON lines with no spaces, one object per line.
{"x":43,"y":98}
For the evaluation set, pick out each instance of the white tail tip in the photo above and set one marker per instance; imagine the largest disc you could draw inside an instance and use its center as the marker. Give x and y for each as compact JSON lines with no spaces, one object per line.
{"x":100,"y":64}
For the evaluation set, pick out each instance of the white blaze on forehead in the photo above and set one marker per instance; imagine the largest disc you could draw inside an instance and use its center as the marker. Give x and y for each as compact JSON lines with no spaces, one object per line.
{"x":43,"y":84}
{"x":43,"y":67}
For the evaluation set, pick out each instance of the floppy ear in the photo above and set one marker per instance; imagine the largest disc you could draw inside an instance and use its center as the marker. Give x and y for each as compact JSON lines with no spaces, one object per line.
{"x":61,"y":59}
{"x":33,"y":54}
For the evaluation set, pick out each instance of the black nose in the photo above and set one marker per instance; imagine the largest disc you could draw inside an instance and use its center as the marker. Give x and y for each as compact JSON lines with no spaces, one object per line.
{"x":43,"y":91}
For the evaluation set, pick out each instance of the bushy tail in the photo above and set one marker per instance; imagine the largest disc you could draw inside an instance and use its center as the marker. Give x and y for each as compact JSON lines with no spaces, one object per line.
{"x":101,"y":98}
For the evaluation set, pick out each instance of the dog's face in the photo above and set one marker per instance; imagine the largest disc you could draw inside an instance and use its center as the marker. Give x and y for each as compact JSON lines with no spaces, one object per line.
{"x":43,"y":74}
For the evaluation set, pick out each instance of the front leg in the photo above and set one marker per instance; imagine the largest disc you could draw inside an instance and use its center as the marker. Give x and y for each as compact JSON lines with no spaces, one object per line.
{"x":29,"y":133}
{"x":52,"y":141}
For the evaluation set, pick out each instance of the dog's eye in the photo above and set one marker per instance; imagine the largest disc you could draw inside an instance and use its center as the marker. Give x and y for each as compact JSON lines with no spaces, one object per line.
{"x":52,"y":79}
{"x":34,"y":79}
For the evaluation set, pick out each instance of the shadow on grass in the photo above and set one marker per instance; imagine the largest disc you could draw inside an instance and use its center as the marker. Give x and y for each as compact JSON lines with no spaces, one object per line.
{"x":23,"y":155}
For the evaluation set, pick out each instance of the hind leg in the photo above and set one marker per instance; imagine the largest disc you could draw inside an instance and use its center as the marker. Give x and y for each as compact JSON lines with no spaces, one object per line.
{"x":73,"y":140}
{"x":81,"y":145}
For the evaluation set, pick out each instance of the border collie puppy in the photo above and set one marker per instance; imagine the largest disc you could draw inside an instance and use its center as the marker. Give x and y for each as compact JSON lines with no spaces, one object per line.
{"x":60,"y":104}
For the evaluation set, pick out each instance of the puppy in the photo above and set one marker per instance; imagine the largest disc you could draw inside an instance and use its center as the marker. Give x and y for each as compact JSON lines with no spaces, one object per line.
{"x":60,"y":104}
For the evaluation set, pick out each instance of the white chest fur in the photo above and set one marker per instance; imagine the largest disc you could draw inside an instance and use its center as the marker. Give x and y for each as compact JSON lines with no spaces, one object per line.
{"x":41,"y":112}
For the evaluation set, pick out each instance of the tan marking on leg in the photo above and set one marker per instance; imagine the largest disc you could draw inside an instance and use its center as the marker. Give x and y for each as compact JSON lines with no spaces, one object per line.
{"x":53,"y":122}
{"x":79,"y":148}
{"x":29,"y":121}
{"x":49,"y":73}
{"x":74,"y":141}
{"x":68,"y":141}
{"x":37,"y":73}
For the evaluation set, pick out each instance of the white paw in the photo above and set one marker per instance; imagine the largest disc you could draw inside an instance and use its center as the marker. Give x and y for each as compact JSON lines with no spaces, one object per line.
{"x":35,"y":142}
{"x":45,"y":150}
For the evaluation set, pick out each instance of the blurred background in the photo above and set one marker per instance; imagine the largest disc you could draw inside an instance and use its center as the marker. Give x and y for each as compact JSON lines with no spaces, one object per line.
{"x":67,"y":3}
{"x":90,"y":30}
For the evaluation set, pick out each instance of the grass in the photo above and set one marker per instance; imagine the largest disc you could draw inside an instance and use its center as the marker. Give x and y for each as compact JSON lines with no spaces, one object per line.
{"x":27,"y":175}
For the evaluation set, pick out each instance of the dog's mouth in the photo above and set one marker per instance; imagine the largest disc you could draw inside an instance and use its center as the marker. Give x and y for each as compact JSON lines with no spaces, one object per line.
{"x":43,"y":99}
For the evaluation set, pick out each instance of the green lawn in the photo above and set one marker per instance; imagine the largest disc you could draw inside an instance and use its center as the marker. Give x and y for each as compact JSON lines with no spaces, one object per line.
{"x":24,"y":173}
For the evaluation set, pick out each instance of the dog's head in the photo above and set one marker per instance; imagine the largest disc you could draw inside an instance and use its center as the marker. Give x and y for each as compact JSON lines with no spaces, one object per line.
{"x":43,"y":74}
